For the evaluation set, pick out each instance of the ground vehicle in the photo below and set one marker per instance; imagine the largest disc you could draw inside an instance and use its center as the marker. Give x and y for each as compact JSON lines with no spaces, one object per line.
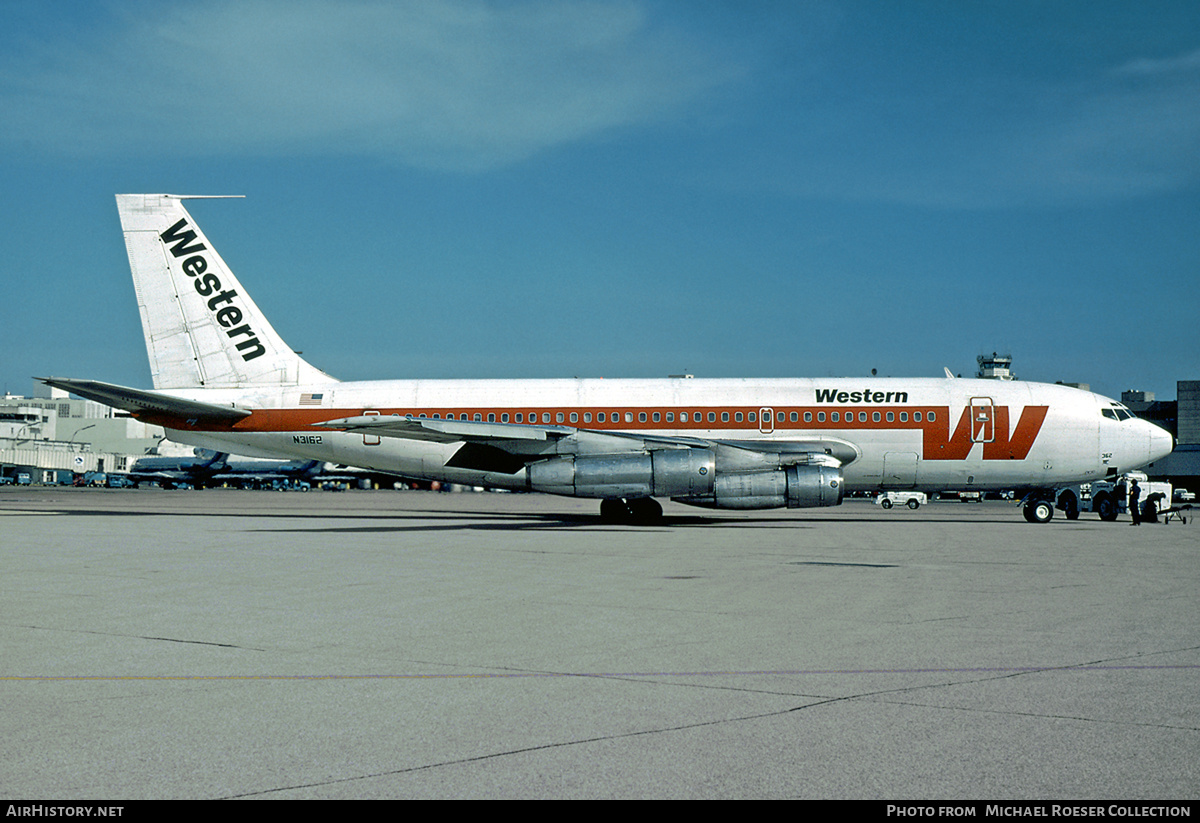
{"x":289,"y":485}
{"x":1184,"y":496}
{"x":963,"y":497}
{"x":1109,"y":499}
{"x":911,"y":499}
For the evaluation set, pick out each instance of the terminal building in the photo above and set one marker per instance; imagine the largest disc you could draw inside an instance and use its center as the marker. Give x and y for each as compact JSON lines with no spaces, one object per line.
{"x":51,"y":434}
{"x":1181,"y":417}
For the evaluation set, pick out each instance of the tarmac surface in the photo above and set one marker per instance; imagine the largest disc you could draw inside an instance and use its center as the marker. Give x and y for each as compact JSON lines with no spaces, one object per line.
{"x":226,"y":644}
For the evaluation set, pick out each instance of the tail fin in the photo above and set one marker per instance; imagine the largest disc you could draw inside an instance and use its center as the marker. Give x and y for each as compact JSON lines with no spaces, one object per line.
{"x":202,"y":328}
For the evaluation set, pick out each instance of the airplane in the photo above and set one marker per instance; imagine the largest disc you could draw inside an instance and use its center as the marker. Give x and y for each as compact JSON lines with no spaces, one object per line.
{"x":208,"y":468}
{"x":224,"y":380}
{"x":170,"y":472}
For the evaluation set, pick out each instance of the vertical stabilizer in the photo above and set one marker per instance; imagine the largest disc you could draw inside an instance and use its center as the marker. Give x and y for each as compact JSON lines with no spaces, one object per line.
{"x":201,"y":327}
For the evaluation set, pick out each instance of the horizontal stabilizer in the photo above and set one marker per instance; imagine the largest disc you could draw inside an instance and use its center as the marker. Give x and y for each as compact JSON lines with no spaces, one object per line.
{"x":146,"y":402}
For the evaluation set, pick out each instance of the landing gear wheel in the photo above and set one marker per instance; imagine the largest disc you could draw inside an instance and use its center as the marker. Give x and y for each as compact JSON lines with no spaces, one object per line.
{"x":614,"y":511}
{"x":639,"y":510}
{"x":645,"y":510}
{"x":1038,"y":511}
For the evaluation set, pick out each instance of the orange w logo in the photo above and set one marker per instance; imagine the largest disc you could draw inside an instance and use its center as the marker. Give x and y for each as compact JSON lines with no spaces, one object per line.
{"x":988,"y":425}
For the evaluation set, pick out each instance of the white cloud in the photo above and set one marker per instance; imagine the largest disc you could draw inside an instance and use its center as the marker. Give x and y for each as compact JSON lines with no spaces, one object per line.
{"x":1126,"y":132}
{"x":1132,"y":133}
{"x":1146,"y":66}
{"x":442,"y":83}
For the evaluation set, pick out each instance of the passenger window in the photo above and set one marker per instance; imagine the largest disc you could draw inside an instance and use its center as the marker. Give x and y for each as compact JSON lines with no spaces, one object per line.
{"x":491,"y":417}
{"x":862,"y":417}
{"x":712,"y":417}
{"x":478,"y":417}
{"x":504,"y":417}
{"x":683,"y":417}
{"x":670,"y":417}
{"x":903,"y":417}
{"x":641,"y":417}
{"x":807,"y":417}
{"x":628,"y":417}
{"x":737,"y":416}
{"x":834,"y":416}
{"x":655,"y":417}
{"x":545,"y":417}
{"x":519,"y":417}
{"x":724,"y":417}
{"x":599,"y":417}
{"x":821,"y":417}
{"x":891,"y":417}
{"x":587,"y":417}
{"x":875,"y":417}
{"x":574,"y":417}
{"x":916,"y":417}
{"x":931,"y":417}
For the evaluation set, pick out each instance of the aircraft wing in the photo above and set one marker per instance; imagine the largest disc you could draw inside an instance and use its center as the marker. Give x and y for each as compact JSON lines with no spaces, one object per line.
{"x":507,"y":447}
{"x":145,"y":402}
{"x":183,"y":477}
{"x":446,"y":431}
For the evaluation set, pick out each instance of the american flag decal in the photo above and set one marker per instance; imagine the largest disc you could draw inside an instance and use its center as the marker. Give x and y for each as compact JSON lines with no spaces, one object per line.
{"x":309,"y":399}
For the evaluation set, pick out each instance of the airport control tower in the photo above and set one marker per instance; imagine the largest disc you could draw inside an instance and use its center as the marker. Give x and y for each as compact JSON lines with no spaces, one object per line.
{"x":995,"y":366}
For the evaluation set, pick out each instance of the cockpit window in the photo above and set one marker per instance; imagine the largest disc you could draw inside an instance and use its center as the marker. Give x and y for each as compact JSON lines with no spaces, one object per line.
{"x":1111,"y":414}
{"x":1117,"y":412}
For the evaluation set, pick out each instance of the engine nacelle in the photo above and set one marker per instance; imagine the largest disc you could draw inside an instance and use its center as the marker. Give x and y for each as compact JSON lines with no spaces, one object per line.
{"x":795,"y":487}
{"x":662,"y":473}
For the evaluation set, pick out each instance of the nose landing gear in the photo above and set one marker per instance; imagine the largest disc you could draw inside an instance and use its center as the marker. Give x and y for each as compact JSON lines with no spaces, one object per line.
{"x":1038,"y":510}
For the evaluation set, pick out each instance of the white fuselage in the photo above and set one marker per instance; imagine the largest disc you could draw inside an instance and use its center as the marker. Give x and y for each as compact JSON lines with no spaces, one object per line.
{"x":886,"y":433}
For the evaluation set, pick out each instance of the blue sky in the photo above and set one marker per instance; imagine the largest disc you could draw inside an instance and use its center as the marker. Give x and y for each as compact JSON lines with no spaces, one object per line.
{"x":455,"y":188}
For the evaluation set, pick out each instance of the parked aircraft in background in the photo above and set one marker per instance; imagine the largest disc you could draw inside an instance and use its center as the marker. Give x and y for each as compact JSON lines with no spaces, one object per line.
{"x":208,"y":468}
{"x":224,"y":380}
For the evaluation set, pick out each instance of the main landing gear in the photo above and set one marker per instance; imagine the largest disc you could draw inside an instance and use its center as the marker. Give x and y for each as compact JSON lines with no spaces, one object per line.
{"x":639,"y":510}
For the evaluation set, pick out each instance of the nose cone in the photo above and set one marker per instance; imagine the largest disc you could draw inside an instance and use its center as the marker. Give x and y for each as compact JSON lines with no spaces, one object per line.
{"x":1161,"y":442}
